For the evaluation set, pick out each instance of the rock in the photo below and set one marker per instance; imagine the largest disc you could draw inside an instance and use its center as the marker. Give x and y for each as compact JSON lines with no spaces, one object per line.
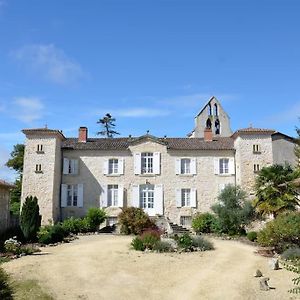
{"x":263,"y":284}
{"x":274,"y":264}
{"x":258,"y":273}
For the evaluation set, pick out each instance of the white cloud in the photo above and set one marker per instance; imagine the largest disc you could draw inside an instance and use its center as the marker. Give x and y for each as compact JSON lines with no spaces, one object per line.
{"x":136,"y":112}
{"x":49,"y":61}
{"x":28,"y":109}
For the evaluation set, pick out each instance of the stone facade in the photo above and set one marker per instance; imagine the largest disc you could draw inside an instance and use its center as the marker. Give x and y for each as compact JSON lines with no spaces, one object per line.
{"x":4,"y":205}
{"x":70,"y":175}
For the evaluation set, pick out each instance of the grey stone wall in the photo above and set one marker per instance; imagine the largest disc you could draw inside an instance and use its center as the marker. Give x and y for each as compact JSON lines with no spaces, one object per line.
{"x":4,"y":208}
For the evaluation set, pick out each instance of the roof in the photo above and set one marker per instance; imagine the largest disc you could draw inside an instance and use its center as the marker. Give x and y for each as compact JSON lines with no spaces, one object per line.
{"x":210,"y":99}
{"x":278,"y":134}
{"x":44,"y":131}
{"x":6,"y":184}
{"x":170,"y":143}
{"x":251,"y":130}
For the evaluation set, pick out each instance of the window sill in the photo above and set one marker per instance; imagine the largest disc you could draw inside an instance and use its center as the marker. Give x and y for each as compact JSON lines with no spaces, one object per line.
{"x":225,"y":175}
{"x":186,"y":175}
{"x":147,"y":175}
{"x":256,"y":152}
{"x":40,"y":152}
{"x":38,"y":172}
{"x":113,"y":175}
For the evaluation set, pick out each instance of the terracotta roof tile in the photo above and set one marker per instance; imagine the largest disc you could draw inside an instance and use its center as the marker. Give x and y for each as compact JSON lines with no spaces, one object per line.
{"x":251,"y":130}
{"x":6,"y":184}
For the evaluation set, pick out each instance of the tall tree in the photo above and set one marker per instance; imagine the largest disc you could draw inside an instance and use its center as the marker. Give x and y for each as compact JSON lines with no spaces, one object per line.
{"x":16,"y":162}
{"x":108,"y":125}
{"x":275,"y":192}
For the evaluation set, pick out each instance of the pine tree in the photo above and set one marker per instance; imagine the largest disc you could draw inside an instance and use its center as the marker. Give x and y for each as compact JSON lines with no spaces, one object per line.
{"x":108,"y":126}
{"x":30,"y":219}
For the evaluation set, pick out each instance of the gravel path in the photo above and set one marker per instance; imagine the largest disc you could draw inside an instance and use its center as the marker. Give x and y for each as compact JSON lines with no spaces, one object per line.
{"x":104,"y":267}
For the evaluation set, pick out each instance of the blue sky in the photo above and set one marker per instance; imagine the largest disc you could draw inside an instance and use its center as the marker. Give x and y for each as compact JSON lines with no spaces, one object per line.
{"x":151,"y":64}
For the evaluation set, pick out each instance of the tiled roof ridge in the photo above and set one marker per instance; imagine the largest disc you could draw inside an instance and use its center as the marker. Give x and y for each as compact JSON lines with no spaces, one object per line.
{"x":5,"y":183}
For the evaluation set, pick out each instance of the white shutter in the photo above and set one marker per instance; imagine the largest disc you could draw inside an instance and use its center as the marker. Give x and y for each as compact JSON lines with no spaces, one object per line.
{"x":177,"y":166}
{"x":158,"y":199}
{"x":121,"y":166}
{"x":137,"y":163}
{"x":178,"y":198}
{"x":231,"y":166}
{"x":63,"y":197}
{"x":103,"y":196}
{"x":66,"y":166}
{"x":120,"y":195}
{"x":135,"y":195}
{"x":156,"y":162}
{"x":193,"y":166}
{"x":216,"y":166}
{"x":75,"y":164}
{"x":105,"y":166}
{"x":80,"y":195}
{"x":193,"y":198}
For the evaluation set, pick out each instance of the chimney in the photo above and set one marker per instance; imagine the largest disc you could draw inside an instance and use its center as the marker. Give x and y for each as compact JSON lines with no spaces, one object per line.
{"x":208,"y":137}
{"x":83,"y":134}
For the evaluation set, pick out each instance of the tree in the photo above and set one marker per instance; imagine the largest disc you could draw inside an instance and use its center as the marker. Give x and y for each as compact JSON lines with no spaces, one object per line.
{"x":233,"y":211}
{"x":108,"y":126}
{"x":30,"y":219}
{"x":16,"y":162}
{"x":275,"y":192}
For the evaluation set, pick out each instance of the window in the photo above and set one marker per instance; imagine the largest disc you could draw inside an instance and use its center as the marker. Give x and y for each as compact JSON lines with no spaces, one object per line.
{"x":147,"y":163}
{"x":186,"y":197}
{"x":186,"y":221}
{"x":113,"y":166}
{"x":40,"y":148}
{"x":256,"y":168}
{"x":256,"y":148}
{"x":147,"y":196}
{"x":70,"y":166}
{"x":208,"y":123}
{"x":209,"y":109}
{"x":224,"y":166}
{"x":216,"y":109}
{"x":185,"y":166}
{"x":217,"y":126}
{"x":72,"y":195}
{"x":112,"y":195}
{"x":38,"y":168}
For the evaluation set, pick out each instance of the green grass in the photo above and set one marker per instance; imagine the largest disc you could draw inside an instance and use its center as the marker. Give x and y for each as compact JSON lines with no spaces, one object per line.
{"x":29,"y":290}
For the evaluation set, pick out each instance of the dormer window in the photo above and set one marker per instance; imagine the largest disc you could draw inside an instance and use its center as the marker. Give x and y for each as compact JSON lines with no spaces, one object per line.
{"x":40,"y":148}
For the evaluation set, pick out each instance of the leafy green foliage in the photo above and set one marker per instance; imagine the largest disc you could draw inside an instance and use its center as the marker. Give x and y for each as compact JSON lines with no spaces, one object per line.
{"x":202,"y":243}
{"x":17,"y":158}
{"x":50,"y":234}
{"x":30,"y":219}
{"x":233,"y":211}
{"x":76,"y":225}
{"x":134,"y":220}
{"x":108,"y":125}
{"x":282,"y":232}
{"x":204,"y":223}
{"x":15,"y":198}
{"x":163,"y":246}
{"x":294,"y":267}
{"x":6,"y":292}
{"x":252,"y":236}
{"x":95,"y":217}
{"x":292,"y":253}
{"x":185,"y":241}
{"x":274,"y":191}
{"x":138,"y":244}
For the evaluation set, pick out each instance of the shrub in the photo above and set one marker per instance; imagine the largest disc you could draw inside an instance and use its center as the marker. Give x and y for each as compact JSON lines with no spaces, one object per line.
{"x":202,"y":243}
{"x":232,"y":211}
{"x":150,"y":238}
{"x":282,"y":232}
{"x":292,"y":253}
{"x":6,"y":291}
{"x":134,"y":220}
{"x":12,"y":246}
{"x":50,"y":234}
{"x":163,"y":246}
{"x":252,"y":236}
{"x":30,"y":219}
{"x":76,"y":225}
{"x":204,"y":223}
{"x":185,"y":241}
{"x":95,"y":217}
{"x":138,"y":244}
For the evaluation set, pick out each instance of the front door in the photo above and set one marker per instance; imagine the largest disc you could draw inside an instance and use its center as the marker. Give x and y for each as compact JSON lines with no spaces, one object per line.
{"x":147,"y":198}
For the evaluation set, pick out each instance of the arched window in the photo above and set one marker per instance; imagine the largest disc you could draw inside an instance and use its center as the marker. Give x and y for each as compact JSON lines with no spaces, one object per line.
{"x":209,"y":112}
{"x":216,"y":109}
{"x":217,"y":127}
{"x":208,"y":123}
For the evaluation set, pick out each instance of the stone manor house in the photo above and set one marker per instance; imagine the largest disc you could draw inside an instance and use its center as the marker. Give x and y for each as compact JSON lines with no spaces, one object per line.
{"x":172,"y":177}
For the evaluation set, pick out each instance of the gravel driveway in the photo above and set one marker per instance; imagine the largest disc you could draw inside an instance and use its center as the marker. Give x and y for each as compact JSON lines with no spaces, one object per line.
{"x":104,"y":267}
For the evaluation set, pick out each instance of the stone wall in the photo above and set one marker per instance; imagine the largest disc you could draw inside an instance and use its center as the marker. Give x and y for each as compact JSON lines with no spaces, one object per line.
{"x":4,"y":208}
{"x":283,"y":150}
